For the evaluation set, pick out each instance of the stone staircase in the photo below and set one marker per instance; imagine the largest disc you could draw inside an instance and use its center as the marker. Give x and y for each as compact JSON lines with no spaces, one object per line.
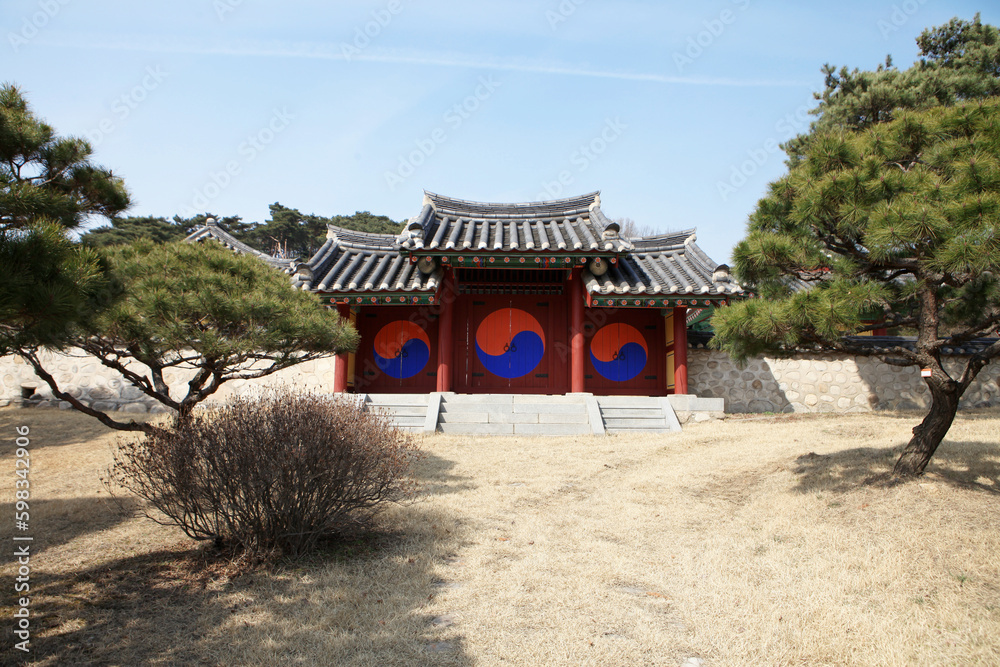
{"x":408,"y":412}
{"x":514,"y":414}
{"x":629,"y":414}
{"x":527,"y":414}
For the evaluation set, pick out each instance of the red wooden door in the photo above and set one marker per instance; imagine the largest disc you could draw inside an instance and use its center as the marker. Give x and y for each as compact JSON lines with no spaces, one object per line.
{"x":511,"y":343}
{"x":625,"y":354}
{"x":398,"y":351}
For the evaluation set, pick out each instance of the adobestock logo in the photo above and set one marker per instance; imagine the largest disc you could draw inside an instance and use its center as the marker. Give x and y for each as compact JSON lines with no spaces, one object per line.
{"x":248,"y":151}
{"x":31,"y":26}
{"x":454,"y":118}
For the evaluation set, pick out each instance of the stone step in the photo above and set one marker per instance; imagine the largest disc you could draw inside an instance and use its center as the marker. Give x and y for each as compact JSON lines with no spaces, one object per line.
{"x":414,"y":422}
{"x":476,"y":429}
{"x":644,"y":413}
{"x":398,"y":399}
{"x":512,"y":418}
{"x":544,"y":399}
{"x":476,"y":408}
{"x":402,"y":410}
{"x":514,"y":429}
{"x":659,"y":422}
{"x":629,"y":401}
{"x":494,"y":408}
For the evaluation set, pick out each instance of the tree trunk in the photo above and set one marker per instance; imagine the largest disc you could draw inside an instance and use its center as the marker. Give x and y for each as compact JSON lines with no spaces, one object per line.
{"x":931,"y":431}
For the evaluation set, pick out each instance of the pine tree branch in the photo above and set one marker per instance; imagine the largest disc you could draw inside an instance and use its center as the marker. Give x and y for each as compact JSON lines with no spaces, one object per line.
{"x":108,"y":356}
{"x":36,"y":365}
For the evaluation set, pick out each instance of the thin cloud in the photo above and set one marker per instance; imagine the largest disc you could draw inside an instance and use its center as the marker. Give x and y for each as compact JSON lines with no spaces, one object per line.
{"x":318,"y":51}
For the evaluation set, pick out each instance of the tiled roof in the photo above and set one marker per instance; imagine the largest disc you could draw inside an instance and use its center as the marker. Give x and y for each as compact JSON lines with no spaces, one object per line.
{"x":576,"y":224}
{"x":359,"y":263}
{"x":213,"y":231}
{"x":352,"y":261}
{"x":664,"y":264}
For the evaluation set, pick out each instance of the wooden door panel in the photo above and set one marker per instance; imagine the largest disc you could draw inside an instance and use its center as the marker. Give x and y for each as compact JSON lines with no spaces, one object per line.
{"x":624,"y":355}
{"x":398,"y":351}
{"x":510,"y":344}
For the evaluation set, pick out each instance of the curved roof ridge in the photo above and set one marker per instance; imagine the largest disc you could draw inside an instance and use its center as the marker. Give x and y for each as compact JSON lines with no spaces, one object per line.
{"x":663,"y":241}
{"x":578,"y":203}
{"x":354,"y":237}
{"x":212,"y":230}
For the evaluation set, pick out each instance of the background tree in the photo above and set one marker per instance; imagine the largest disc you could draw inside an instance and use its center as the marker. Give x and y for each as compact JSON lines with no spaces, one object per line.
{"x":48,"y":187}
{"x":131,"y":229}
{"x":203,"y":309}
{"x":901,"y":219}
{"x":959,"y":61}
{"x":157,"y":229}
{"x":290,"y":233}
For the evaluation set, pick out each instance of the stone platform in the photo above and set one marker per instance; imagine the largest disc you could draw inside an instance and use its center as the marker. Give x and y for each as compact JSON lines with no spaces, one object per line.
{"x":531,"y":414}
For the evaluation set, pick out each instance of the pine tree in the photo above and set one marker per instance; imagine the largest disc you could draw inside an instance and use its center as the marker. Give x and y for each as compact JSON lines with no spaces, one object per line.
{"x":959,"y":61}
{"x":203,"y":309}
{"x":900,"y":220}
{"x":48,"y":186}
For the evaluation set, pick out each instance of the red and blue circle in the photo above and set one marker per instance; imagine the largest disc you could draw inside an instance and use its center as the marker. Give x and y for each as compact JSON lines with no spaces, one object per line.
{"x":510,"y":343}
{"x":618,"y":352}
{"x":402,"y":349}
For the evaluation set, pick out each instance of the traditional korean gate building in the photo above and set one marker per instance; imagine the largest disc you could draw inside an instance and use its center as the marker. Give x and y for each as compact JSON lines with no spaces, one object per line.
{"x":533,"y":298}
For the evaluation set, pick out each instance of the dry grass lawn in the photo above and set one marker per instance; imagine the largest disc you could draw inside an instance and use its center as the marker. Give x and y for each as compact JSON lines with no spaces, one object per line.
{"x":747,"y":542}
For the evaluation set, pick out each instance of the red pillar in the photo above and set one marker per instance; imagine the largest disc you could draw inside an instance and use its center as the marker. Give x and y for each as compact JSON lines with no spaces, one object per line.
{"x":680,"y":350}
{"x":576,"y":332}
{"x":340,"y":365}
{"x":445,"y":322}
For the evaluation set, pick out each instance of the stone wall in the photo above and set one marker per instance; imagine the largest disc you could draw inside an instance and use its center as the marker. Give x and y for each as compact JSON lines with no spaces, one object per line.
{"x":809,"y":383}
{"x":104,"y":389}
{"x":824,"y":383}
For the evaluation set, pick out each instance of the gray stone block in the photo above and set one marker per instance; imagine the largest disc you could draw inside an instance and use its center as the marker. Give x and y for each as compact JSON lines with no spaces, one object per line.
{"x":658,"y":422}
{"x":594,"y":416}
{"x":464,"y":417}
{"x":459,"y":399}
{"x":476,"y":408}
{"x":514,"y":418}
{"x":398,"y":399}
{"x":479,"y":429}
{"x":555,"y":408}
{"x":433,"y":412}
{"x":628,"y":401}
{"x":643,"y":413}
{"x":557,"y":418}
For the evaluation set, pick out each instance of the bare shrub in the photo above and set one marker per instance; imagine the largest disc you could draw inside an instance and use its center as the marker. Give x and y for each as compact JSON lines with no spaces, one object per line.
{"x":272,"y":473}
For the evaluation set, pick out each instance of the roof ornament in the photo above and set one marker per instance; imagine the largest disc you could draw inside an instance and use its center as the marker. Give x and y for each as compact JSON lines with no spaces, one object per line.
{"x":721,"y":274}
{"x":427,"y":265}
{"x":597,"y":266}
{"x":611,"y":231}
{"x":302,"y":270}
{"x":211,"y":222}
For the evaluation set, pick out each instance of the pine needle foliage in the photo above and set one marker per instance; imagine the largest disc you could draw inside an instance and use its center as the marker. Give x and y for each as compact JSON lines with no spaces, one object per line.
{"x":48,"y":185}
{"x":959,"y":62}
{"x":203,"y":310}
{"x":894,"y":225}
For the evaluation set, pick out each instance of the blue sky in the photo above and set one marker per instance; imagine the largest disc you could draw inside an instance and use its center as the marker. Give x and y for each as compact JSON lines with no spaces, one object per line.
{"x":671,"y":109}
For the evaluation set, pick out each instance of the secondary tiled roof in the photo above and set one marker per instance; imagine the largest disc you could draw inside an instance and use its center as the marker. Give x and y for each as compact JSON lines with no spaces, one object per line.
{"x":576,"y":224}
{"x":352,"y":261}
{"x":665,"y":264}
{"x":212,"y":230}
